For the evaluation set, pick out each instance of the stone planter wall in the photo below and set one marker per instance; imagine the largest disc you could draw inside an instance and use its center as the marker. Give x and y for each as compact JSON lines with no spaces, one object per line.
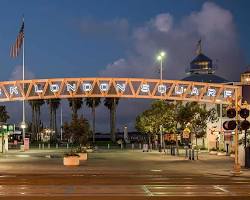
{"x":83,"y":156}
{"x":213,"y":152}
{"x":71,"y":161}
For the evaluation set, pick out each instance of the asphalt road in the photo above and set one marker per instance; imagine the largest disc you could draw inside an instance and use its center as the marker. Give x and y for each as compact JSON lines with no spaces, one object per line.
{"x":120,"y":175}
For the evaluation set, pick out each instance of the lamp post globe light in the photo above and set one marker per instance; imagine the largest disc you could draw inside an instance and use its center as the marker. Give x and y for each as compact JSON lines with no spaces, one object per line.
{"x":23,"y":126}
{"x":160,"y":58}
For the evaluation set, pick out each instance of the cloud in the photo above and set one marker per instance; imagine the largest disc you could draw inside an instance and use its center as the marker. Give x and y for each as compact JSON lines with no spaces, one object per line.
{"x":17,"y":73}
{"x":163,"y":22}
{"x":213,"y":24}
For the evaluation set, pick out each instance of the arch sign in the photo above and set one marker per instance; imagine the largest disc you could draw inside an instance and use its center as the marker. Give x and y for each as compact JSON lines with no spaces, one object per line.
{"x":116,"y":87}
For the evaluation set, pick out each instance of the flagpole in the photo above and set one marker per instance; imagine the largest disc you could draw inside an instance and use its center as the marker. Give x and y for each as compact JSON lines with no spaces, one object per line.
{"x":24,"y":124}
{"x":61,"y":124}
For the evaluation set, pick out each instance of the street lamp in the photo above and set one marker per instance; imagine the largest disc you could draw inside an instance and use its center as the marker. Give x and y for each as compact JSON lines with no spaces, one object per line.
{"x":23,"y":126}
{"x":160,"y":58}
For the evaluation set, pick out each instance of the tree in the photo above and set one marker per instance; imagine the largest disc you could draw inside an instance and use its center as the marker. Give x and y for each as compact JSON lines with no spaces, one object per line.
{"x":93,"y":103}
{"x":78,"y":131}
{"x":36,"y":117}
{"x":3,"y":114}
{"x":53,"y":106}
{"x":174,"y":117}
{"x":111,"y":104}
{"x":199,"y":123}
{"x":160,"y":114}
{"x":75,"y":104}
{"x":183,"y":116}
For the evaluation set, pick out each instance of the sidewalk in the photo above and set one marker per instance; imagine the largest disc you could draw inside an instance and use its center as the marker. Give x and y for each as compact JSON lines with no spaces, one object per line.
{"x":118,"y":161}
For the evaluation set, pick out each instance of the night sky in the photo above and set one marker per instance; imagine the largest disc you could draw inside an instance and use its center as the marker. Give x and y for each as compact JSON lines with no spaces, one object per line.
{"x":120,"y":38}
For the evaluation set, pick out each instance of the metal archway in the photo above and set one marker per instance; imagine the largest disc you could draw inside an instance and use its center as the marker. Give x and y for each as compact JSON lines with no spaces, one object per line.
{"x":117,"y":87}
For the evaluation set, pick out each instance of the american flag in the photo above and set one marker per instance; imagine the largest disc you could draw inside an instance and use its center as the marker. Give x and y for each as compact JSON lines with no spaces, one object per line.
{"x":16,"y":47}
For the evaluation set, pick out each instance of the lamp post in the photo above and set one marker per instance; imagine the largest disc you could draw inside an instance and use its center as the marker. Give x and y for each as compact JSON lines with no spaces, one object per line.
{"x":23,"y":126}
{"x":160,"y":58}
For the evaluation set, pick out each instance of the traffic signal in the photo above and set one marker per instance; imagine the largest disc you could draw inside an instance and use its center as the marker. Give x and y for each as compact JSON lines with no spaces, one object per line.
{"x":245,"y":125}
{"x":231,"y":113}
{"x":231,"y":125}
{"x":244,"y":113}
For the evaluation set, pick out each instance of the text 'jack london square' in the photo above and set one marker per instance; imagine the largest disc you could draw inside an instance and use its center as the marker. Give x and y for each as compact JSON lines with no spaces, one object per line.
{"x":115,"y":87}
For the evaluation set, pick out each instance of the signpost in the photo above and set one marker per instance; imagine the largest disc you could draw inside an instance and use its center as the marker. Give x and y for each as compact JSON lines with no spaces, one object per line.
{"x":186,"y":133}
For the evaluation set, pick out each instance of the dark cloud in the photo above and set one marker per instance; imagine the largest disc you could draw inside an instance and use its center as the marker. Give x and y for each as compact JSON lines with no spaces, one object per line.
{"x":213,"y":24}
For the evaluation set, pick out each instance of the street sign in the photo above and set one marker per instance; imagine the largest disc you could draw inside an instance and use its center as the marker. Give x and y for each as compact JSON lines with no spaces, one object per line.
{"x":186,"y":133}
{"x":167,"y":137}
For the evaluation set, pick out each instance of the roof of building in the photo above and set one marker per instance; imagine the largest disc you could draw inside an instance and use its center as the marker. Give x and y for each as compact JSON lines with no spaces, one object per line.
{"x":208,"y":78}
{"x":201,"y":64}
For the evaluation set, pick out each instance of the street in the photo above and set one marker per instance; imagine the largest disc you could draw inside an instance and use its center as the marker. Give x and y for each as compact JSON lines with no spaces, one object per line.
{"x":117,"y":174}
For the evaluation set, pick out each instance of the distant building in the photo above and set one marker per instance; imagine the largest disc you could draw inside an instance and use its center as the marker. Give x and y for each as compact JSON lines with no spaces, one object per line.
{"x":202,"y":69}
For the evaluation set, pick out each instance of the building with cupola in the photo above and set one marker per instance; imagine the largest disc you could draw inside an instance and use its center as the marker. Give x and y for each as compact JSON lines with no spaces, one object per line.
{"x":202,"y":69}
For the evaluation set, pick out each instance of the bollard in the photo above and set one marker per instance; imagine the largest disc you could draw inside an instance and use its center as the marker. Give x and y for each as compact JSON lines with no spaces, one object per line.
{"x":39,"y":146}
{"x":67,"y":145}
{"x":139,"y":145}
{"x":133,"y":146}
{"x":57,"y":146}
{"x":48,"y":146}
{"x":108,"y":146}
{"x":43,"y":146}
{"x":192,"y":154}
{"x":186,"y":153}
{"x":121,"y":146}
{"x":189,"y":154}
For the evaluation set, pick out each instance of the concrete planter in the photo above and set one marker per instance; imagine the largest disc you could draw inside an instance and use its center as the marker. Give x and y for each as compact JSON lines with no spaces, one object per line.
{"x":71,"y":161}
{"x":222,"y":153}
{"x":83,"y":156}
{"x":89,"y":150}
{"x":213,"y":152}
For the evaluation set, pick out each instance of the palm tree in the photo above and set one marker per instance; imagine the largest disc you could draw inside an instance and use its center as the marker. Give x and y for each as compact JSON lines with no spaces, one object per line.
{"x":75,"y":104}
{"x":53,"y":106}
{"x":36,"y":115}
{"x":93,"y":103}
{"x":111,"y":104}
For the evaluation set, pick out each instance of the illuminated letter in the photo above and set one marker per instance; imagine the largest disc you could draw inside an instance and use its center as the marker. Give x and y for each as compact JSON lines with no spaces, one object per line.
{"x":195,"y":91}
{"x":13,"y":90}
{"x":86,"y":87}
{"x":71,"y":87}
{"x":145,"y":88}
{"x":37,"y":90}
{"x":104,"y":87}
{"x":121,"y":87}
{"x":179,"y":90}
{"x":211,"y":92}
{"x":54,"y":88}
{"x":162,"y":89}
{"x":227,"y":93}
